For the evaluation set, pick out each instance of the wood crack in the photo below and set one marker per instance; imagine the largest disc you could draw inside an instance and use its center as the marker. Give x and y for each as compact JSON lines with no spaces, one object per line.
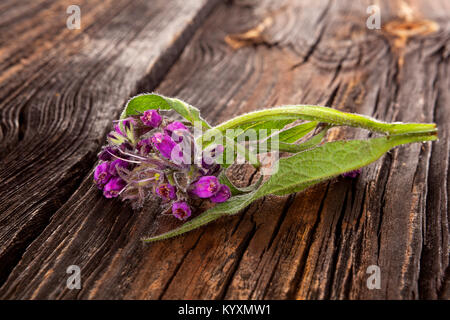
{"x":86,"y":157}
{"x":175,"y":272}
{"x":300,"y":270}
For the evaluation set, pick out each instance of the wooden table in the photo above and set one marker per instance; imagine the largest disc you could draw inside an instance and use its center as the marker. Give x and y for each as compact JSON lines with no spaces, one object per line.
{"x":61,"y":88}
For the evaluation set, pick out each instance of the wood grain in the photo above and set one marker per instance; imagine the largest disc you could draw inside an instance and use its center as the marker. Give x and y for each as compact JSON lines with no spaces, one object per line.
{"x":247,"y":55}
{"x":61,"y":89}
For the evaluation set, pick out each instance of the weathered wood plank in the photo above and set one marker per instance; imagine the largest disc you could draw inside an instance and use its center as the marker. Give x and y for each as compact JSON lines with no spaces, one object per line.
{"x":316,"y":244}
{"x":61,"y":88}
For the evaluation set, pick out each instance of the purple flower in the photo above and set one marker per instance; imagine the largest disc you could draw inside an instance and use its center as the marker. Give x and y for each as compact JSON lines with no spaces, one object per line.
{"x":163,"y":143}
{"x":206,"y":187}
{"x":107,"y":153}
{"x":143,"y":149}
{"x":222,"y":195}
{"x":118,"y":163}
{"x":176,"y":130}
{"x":113,"y":187}
{"x":176,"y":125}
{"x":151,"y":118}
{"x":181,"y":210}
{"x":352,"y":174}
{"x":101,"y":174}
{"x":118,"y":130}
{"x":166,"y":191}
{"x":144,"y":146}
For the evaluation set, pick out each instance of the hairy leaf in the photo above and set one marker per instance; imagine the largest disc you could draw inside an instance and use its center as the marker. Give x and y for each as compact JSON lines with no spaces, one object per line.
{"x":223,"y":178}
{"x":305,"y":169}
{"x":293,"y":134}
{"x":301,"y":170}
{"x":143,"y":102}
{"x":295,"y":147}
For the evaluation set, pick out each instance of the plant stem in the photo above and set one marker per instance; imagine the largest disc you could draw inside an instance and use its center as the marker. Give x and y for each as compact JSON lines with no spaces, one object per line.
{"x":322,"y":114}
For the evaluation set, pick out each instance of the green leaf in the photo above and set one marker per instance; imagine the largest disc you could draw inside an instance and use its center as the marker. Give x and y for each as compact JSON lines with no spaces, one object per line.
{"x":303,"y":170}
{"x":187,"y":111}
{"x":147,"y":101}
{"x":223,"y":178}
{"x":294,"y":135}
{"x":297,"y":132}
{"x":143,"y":102}
{"x":309,"y":144}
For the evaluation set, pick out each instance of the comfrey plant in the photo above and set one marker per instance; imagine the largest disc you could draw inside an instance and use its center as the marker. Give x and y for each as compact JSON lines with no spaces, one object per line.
{"x":151,"y":155}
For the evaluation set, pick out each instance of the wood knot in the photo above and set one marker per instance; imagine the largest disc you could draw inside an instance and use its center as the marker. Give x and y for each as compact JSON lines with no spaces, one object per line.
{"x":408,"y":29}
{"x":254,"y":36}
{"x":403,"y":30}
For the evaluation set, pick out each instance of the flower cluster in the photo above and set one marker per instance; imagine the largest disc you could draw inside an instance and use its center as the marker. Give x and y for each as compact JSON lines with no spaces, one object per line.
{"x":150,"y":156}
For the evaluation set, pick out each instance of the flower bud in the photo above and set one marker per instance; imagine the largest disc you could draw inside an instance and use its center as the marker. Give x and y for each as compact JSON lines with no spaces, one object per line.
{"x":113,"y":187}
{"x":206,"y":187}
{"x":181,"y":210}
{"x":166,"y":191}
{"x":163,"y":143}
{"x":118,"y":130}
{"x":176,"y":130}
{"x":222,"y":195}
{"x":151,"y":118}
{"x":101,"y":174}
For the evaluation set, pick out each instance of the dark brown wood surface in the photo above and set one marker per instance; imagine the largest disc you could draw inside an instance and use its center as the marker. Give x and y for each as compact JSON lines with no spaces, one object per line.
{"x":60,"y":89}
